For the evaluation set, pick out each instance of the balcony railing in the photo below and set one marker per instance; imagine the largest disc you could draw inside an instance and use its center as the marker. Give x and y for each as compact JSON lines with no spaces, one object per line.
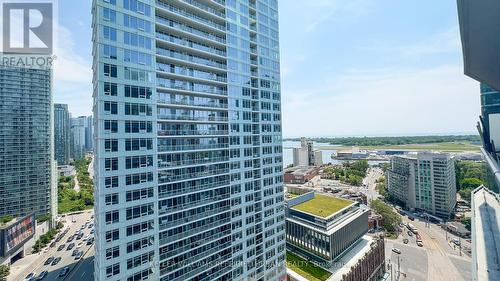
{"x":172,"y":148}
{"x":190,"y":44}
{"x":191,"y":16}
{"x":189,"y":162}
{"x":192,"y":118}
{"x":192,"y":133}
{"x":189,"y":58}
{"x":171,"y":178}
{"x":212,"y":104}
{"x":189,"y":29}
{"x":193,"y":188}
{"x":198,"y":74}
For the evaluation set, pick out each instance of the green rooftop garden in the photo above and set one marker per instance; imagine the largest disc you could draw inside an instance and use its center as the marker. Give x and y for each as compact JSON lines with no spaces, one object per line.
{"x":322,"y":205}
{"x":306,"y":269}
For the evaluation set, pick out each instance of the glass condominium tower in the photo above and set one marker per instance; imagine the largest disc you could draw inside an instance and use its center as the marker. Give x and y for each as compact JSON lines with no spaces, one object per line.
{"x":188,"y":155}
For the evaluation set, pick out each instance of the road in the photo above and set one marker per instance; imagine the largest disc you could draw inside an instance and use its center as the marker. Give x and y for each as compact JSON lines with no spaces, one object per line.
{"x":437,"y":260}
{"x":35,"y":262}
{"x":370,"y":183}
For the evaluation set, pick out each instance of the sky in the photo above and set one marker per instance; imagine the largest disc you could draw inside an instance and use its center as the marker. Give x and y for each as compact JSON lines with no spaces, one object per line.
{"x":348,"y":67}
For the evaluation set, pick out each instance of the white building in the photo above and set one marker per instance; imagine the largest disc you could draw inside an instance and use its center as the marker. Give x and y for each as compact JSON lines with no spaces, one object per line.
{"x":424,"y":181}
{"x":305,"y":155}
{"x":188,"y":155}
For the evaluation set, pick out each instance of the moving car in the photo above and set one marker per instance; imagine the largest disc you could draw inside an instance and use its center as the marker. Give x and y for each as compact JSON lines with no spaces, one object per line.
{"x":78,"y":255}
{"x":29,"y":277}
{"x":396,"y":250}
{"x":42,"y":275}
{"x":63,"y":271}
{"x":56,"y":260}
{"x":49,"y":261}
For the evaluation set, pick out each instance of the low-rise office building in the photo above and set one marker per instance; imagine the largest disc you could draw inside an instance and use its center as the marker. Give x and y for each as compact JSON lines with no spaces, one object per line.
{"x":424,"y":182}
{"x":330,"y":233}
{"x":322,"y":227}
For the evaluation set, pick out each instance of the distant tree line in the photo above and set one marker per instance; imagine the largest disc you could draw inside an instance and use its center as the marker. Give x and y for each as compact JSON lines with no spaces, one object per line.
{"x":381,"y":141}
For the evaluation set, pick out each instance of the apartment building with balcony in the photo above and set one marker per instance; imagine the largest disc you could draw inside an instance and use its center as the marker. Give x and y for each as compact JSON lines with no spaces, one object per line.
{"x":27,"y":167}
{"x":424,"y":181}
{"x":188,"y":156}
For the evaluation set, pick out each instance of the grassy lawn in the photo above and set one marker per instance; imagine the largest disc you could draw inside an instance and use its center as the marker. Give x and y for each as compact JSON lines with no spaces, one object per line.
{"x":305,"y":268}
{"x":443,"y":146}
{"x":322,"y":205}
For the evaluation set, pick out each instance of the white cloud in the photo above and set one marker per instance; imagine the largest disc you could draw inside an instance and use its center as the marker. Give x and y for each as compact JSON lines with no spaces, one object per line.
{"x":72,"y":75}
{"x":321,"y":11}
{"x":385,"y":101}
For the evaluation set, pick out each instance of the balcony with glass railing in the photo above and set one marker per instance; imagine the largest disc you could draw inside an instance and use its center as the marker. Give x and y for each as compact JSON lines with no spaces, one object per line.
{"x":191,"y":16}
{"x":189,"y":44}
{"x":180,"y":26}
{"x":191,"y":162}
{"x":194,"y":103}
{"x":175,"y":117}
{"x":191,"y":87}
{"x":195,"y":188}
{"x":192,"y":132}
{"x":189,"y":72}
{"x":175,"y":148}
{"x":190,"y":176}
{"x":206,"y":8}
{"x":190,"y":58}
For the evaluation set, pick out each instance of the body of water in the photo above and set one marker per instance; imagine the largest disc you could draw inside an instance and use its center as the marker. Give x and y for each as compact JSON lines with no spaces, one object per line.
{"x":325,"y":153}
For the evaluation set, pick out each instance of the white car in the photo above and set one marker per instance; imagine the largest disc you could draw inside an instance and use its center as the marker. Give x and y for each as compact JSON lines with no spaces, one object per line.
{"x":30,"y":277}
{"x":396,"y":250}
{"x":79,"y":245}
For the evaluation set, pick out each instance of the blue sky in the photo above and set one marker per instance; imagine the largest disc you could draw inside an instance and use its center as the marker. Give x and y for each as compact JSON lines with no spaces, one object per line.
{"x":349,"y":67}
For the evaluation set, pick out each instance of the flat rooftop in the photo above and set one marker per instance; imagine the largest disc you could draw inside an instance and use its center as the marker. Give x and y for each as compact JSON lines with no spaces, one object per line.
{"x":486,"y":233}
{"x":322,"y":205}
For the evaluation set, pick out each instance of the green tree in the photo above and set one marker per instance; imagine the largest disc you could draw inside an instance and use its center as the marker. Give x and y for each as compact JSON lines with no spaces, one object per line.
{"x":390,"y":217}
{"x":4,"y":271}
{"x":470,"y":183}
{"x":6,"y":218}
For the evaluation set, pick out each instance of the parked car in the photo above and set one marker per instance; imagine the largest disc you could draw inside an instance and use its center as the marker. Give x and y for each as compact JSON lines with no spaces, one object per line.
{"x":420,"y":244}
{"x":396,"y":250}
{"x":75,"y":251}
{"x":42,"y":275}
{"x":70,"y":246}
{"x":90,"y":226}
{"x":70,"y":239}
{"x":410,"y":233}
{"x":56,"y":260}
{"x":53,"y":244}
{"x":61,"y":247}
{"x":90,"y":241}
{"x":63,"y":271}
{"x":29,"y":277}
{"x":406,"y":241}
{"x":78,"y":255}
{"x":49,"y":261}
{"x":79,"y":245}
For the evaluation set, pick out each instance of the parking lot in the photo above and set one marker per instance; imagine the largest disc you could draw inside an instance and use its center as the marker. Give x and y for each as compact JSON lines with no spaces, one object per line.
{"x":62,"y":257}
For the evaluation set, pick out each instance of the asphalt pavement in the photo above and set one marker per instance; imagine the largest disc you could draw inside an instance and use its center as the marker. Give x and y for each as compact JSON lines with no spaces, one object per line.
{"x":37,"y":261}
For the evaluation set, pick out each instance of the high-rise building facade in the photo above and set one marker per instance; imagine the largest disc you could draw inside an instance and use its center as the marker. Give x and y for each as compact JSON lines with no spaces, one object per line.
{"x":479,"y":26}
{"x":425,"y":182}
{"x":81,"y":136}
{"x":26,"y":143}
{"x":62,"y":133}
{"x":188,"y":156}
